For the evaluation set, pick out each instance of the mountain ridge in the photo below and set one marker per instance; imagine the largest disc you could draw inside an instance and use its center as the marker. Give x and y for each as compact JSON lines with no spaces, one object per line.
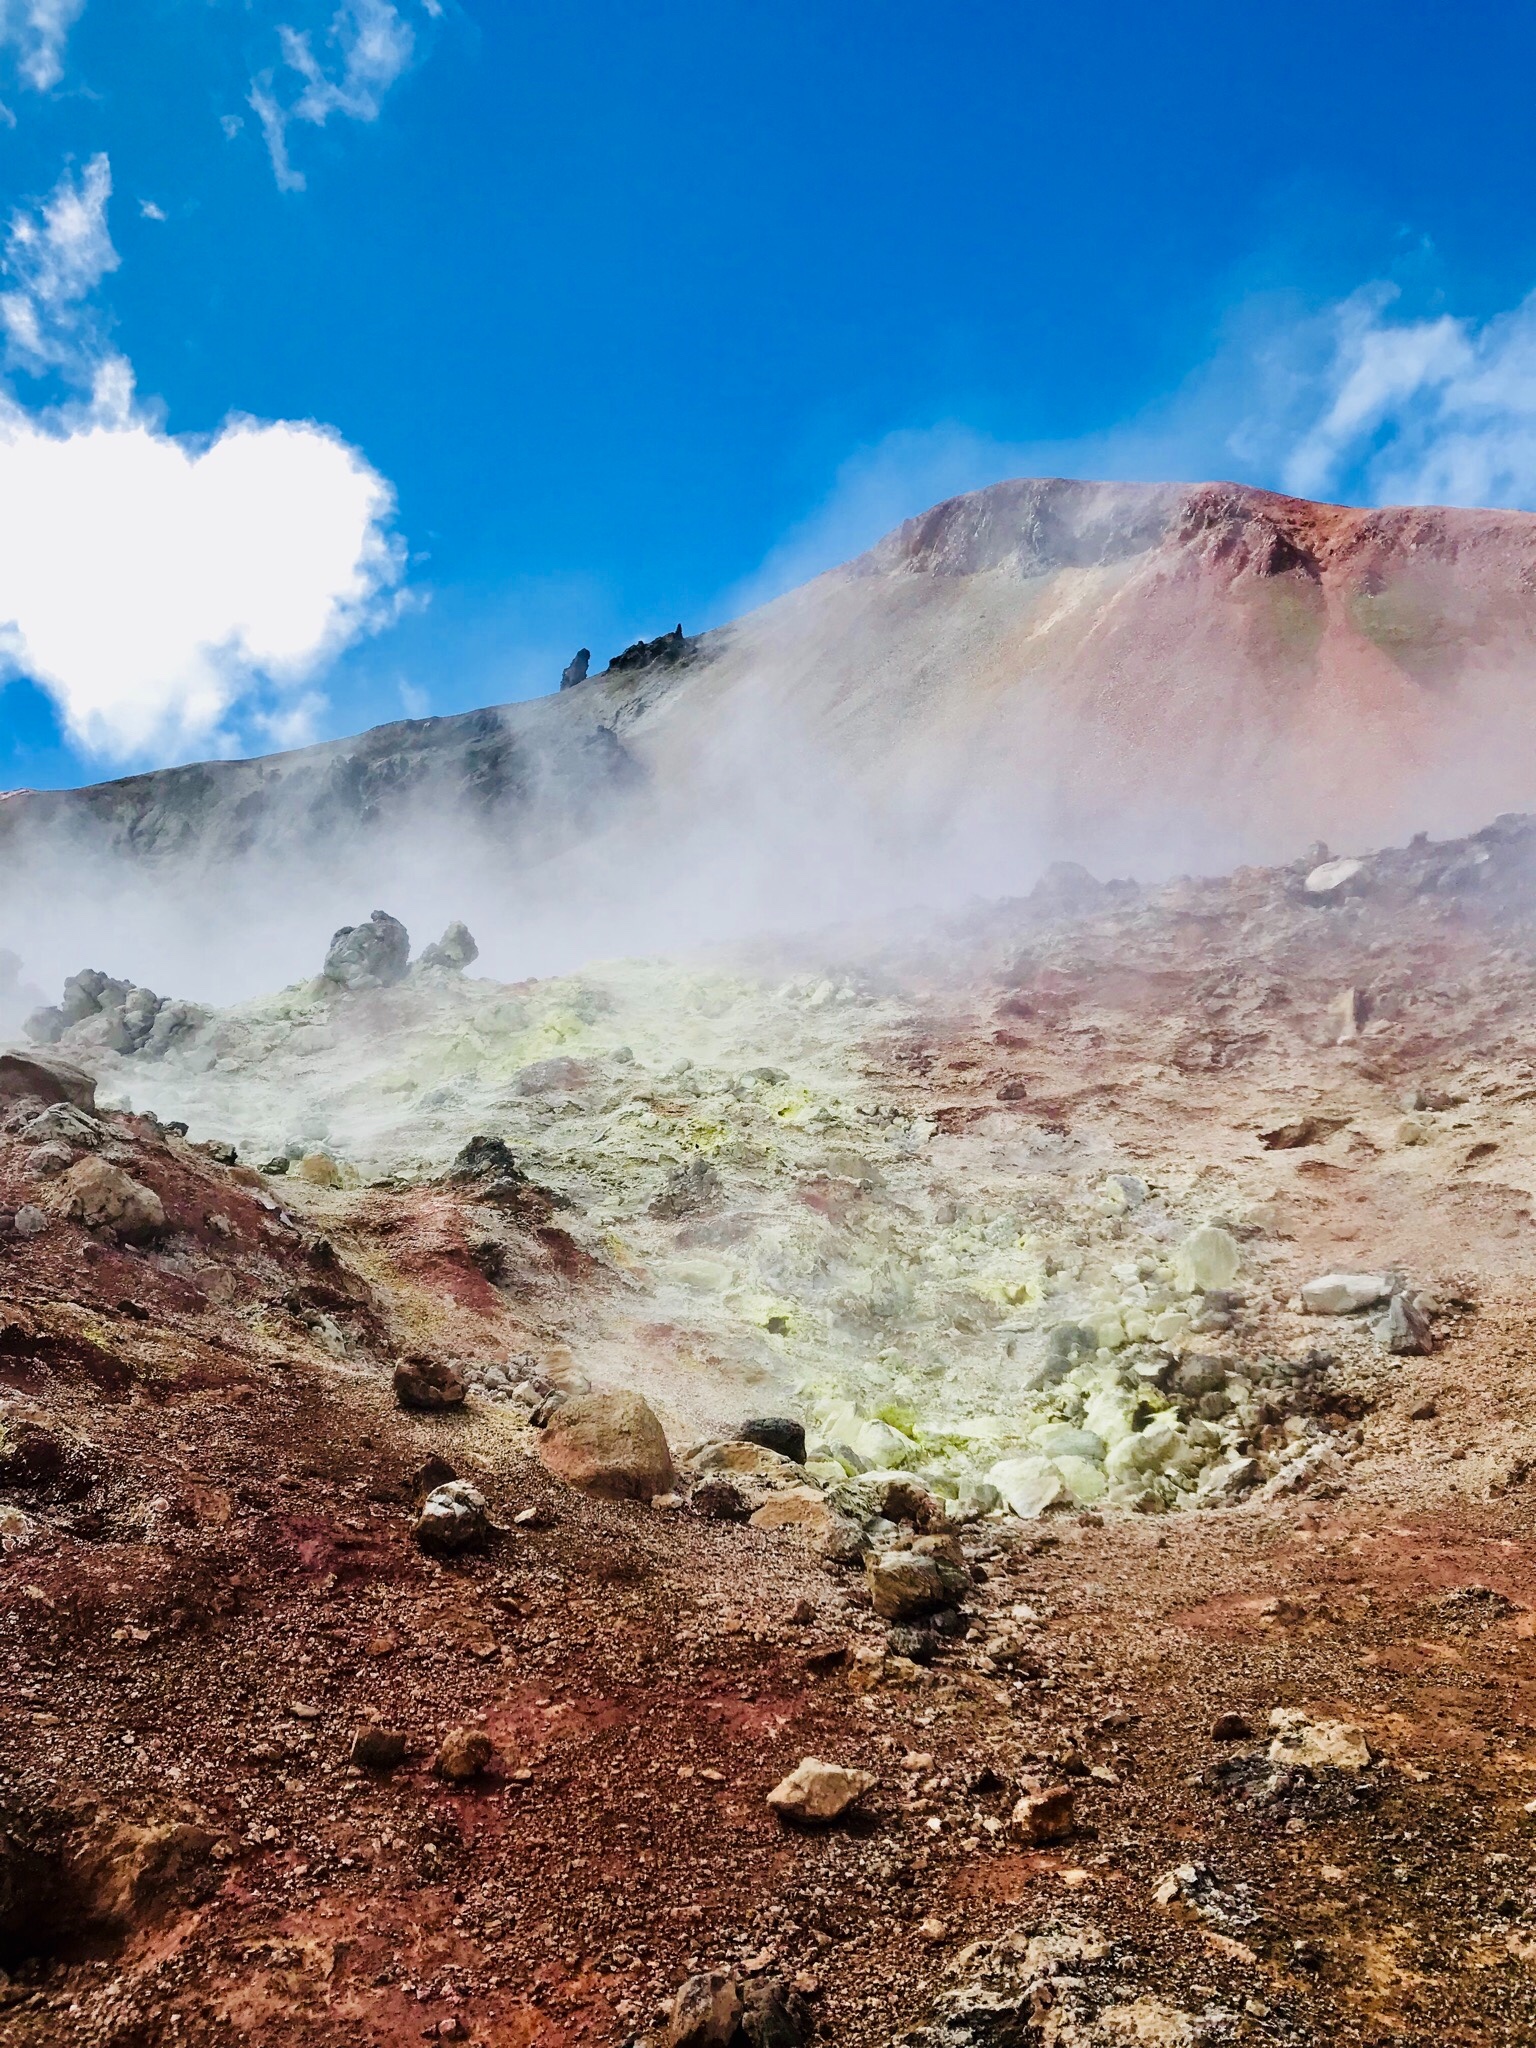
{"x":1219,"y":572}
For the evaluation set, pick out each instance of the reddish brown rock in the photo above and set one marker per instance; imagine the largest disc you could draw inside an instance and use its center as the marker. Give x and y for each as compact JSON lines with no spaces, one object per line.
{"x":608,"y":1444}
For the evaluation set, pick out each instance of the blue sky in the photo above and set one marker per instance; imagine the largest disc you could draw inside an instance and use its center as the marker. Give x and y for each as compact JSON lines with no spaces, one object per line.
{"x":617,"y":316}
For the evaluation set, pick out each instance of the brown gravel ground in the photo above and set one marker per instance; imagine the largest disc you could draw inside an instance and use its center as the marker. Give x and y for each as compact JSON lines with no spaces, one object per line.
{"x":222,"y":1586}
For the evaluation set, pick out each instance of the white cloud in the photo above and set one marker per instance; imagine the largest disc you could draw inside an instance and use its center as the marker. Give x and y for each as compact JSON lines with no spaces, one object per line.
{"x":154,"y":585}
{"x":149,"y":584}
{"x":148,"y":210}
{"x":372,"y":45}
{"x":37,"y":30}
{"x":1426,"y":411}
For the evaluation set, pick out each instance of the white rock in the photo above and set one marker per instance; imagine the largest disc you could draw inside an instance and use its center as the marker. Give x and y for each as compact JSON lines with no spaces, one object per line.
{"x":816,"y":1791}
{"x":1028,"y":1485}
{"x":1332,"y":876}
{"x":1299,"y":1740}
{"x":1341,"y":1294}
{"x":1208,"y":1258}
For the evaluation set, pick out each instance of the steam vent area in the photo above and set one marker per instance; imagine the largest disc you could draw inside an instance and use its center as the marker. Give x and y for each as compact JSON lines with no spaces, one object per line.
{"x":969,"y":1483}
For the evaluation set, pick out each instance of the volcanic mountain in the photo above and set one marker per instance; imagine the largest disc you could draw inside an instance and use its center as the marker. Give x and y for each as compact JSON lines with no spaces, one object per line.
{"x":1142,"y":677}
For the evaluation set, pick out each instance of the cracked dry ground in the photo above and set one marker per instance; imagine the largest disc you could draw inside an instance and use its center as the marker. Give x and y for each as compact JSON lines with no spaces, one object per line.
{"x":223,"y":1585}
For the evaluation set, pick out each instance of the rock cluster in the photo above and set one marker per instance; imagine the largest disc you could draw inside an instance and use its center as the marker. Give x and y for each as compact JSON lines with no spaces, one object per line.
{"x":99,"y":1012}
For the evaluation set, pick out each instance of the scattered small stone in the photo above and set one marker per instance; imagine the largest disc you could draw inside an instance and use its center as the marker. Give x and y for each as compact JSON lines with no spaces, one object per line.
{"x":428,"y":1383}
{"x":463,"y":1754}
{"x":1305,"y":1131}
{"x":30,"y":1221}
{"x":817,"y":1792}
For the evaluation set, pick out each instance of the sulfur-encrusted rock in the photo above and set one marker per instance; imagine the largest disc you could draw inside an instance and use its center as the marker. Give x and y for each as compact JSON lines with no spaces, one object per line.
{"x":611,"y":1445}
{"x":452,"y":953}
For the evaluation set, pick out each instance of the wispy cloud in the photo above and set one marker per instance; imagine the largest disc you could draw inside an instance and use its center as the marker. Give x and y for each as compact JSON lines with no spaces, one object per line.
{"x":369,"y":44}
{"x":36,"y":31}
{"x":56,"y":254}
{"x":156,"y":586}
{"x":1412,"y":411}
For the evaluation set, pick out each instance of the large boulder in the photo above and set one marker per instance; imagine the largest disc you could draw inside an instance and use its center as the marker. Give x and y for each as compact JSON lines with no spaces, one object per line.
{"x":608,"y":1444}
{"x":103,"y":1197}
{"x":45,"y":1077}
{"x":372,"y":955}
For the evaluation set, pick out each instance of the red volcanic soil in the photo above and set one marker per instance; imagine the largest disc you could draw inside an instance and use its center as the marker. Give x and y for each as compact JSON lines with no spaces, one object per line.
{"x":209,"y":1582}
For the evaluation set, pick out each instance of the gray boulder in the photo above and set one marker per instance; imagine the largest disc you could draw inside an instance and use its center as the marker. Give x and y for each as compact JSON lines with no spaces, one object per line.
{"x":372,"y":955}
{"x":453,"y":952}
